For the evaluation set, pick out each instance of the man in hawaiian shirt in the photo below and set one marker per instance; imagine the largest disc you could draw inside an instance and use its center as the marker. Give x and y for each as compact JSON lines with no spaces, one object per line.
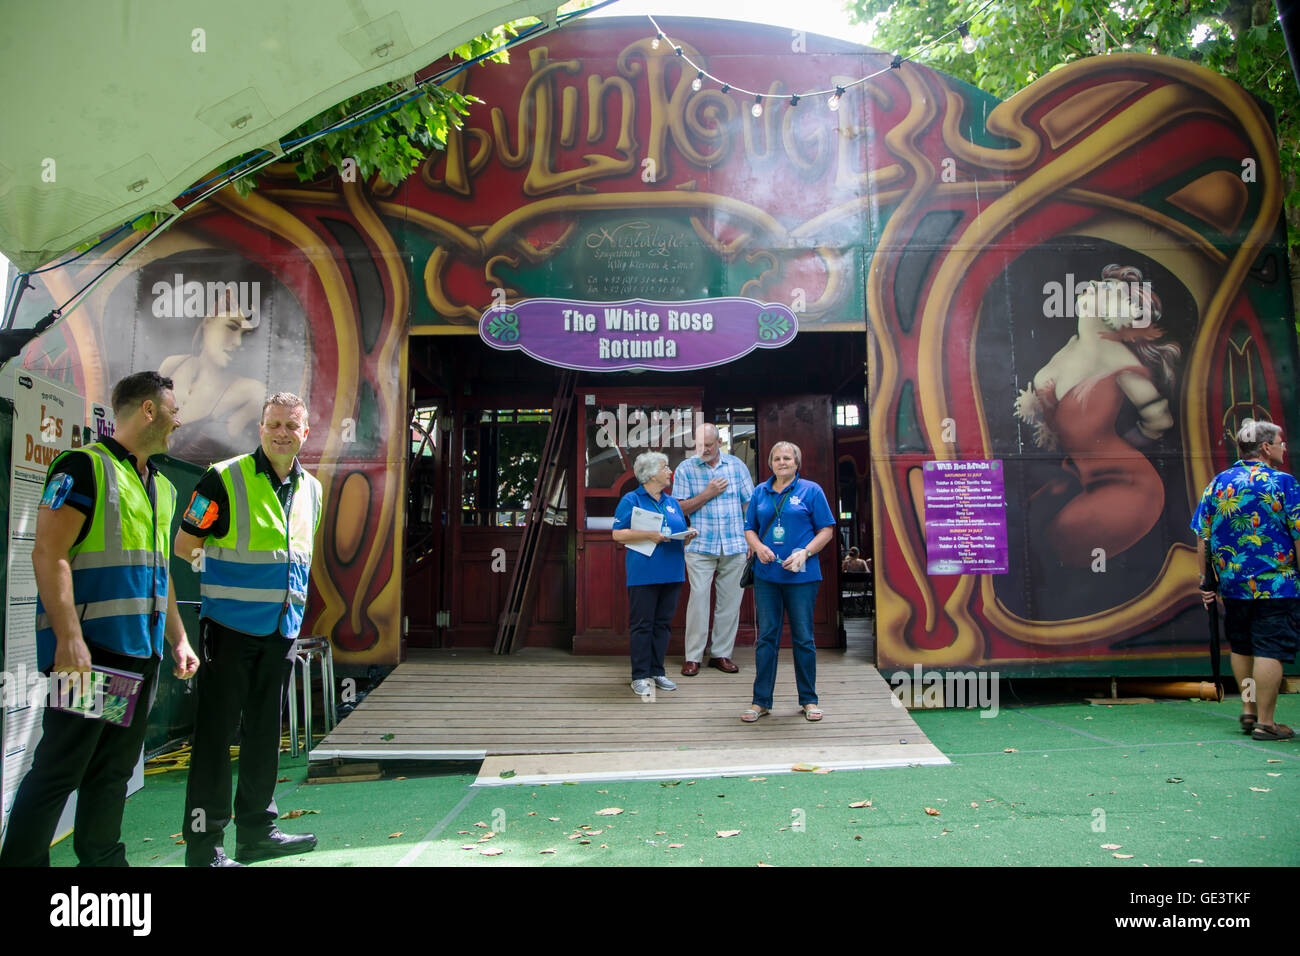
{"x":1250,"y":515}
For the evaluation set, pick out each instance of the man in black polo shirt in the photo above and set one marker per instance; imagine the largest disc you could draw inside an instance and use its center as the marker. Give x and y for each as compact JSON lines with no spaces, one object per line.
{"x":92,"y":589}
{"x":250,"y":525}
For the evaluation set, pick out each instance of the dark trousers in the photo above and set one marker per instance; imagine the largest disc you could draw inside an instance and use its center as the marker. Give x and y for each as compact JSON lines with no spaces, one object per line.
{"x":241,"y":686}
{"x":95,"y":759}
{"x":650,"y":610}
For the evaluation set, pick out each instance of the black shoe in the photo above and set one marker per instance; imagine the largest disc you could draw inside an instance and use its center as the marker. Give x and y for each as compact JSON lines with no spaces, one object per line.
{"x":218,"y":858}
{"x":274,"y":844}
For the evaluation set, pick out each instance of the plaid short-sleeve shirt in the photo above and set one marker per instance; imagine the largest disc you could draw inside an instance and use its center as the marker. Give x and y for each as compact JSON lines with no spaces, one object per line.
{"x":721,"y":520}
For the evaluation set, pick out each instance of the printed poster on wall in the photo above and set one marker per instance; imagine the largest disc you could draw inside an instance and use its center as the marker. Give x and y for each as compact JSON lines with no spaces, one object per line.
{"x":48,"y":419}
{"x":965,"y":517}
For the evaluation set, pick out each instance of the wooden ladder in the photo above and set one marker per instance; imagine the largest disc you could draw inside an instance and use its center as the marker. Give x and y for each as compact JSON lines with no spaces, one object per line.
{"x":523,"y":579}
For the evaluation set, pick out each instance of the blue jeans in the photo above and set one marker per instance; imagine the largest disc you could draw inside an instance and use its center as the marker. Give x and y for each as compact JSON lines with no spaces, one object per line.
{"x":772,"y":602}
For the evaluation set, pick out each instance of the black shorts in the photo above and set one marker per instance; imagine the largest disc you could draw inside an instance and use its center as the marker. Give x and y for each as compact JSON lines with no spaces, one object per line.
{"x":1263,"y":627}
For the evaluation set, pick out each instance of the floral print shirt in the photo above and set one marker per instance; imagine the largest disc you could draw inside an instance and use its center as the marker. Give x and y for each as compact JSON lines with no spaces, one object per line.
{"x":1250,"y":515}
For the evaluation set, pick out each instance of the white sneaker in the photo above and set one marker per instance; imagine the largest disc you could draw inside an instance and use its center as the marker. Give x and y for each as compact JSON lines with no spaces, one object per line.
{"x":642,"y":687}
{"x":663,"y":683}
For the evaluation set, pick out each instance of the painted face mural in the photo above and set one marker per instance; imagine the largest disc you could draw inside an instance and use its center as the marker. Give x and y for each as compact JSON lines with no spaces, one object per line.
{"x":1084,"y":284}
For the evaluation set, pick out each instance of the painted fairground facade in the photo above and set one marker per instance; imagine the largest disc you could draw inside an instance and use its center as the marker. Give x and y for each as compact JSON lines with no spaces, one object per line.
{"x":1044,"y":313}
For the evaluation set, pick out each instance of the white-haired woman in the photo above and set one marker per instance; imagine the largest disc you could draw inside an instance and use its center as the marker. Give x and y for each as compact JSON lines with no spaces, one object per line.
{"x":654,"y":580}
{"x":788,"y":522}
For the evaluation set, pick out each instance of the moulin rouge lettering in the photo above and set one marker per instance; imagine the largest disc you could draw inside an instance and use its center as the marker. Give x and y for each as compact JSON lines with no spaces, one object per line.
{"x":704,"y":128}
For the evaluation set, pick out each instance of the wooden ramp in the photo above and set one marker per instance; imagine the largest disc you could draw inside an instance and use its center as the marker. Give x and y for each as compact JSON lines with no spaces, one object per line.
{"x":545,"y":715}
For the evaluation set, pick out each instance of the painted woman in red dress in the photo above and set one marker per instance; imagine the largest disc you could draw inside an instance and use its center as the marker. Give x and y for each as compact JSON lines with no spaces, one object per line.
{"x":1112,"y":495}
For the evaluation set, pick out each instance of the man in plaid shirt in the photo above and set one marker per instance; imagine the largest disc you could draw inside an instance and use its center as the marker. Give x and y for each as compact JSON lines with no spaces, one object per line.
{"x":714,"y":489}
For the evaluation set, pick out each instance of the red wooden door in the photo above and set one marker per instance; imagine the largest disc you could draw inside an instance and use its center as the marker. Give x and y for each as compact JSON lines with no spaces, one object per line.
{"x":615,"y":425}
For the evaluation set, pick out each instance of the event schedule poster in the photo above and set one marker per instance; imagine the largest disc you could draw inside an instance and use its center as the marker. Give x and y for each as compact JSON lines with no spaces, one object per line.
{"x":965,"y":517}
{"x":48,"y":419}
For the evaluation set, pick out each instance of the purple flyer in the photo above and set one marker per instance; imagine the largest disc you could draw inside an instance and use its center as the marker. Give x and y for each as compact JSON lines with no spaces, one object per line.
{"x":965,"y":517}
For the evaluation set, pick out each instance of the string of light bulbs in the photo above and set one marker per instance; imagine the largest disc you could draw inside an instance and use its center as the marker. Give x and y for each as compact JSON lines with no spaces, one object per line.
{"x":836,"y":93}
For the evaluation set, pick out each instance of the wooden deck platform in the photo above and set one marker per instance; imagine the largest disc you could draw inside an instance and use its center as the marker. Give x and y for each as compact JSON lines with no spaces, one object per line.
{"x":548,"y":715}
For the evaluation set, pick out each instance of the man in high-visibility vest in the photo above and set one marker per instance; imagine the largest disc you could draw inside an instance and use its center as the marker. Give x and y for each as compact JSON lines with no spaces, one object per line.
{"x":105,"y":600}
{"x":249,"y":528}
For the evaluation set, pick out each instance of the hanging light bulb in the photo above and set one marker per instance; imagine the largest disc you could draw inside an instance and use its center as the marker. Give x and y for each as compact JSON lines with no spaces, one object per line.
{"x":698,"y":81}
{"x":968,"y":42}
{"x":834,"y":102}
{"x":654,"y":44}
{"x":757,"y":108}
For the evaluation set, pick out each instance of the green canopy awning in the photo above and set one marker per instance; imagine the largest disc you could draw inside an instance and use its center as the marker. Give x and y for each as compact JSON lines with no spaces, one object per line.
{"x":113,"y":107}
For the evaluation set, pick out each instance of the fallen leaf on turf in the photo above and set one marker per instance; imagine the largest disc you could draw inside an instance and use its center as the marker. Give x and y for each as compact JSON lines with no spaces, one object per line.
{"x":1122,"y":856}
{"x":803,"y":767}
{"x":609,"y":812}
{"x":469,"y":846}
{"x":974,"y":804}
{"x":180,"y":842}
{"x":294,"y":814}
{"x":1274,"y":775}
{"x":485,"y":837}
{"x":676,"y":846}
{"x":1195,"y":861}
{"x":481,"y":824}
{"x":1270,"y":760}
{"x":1011,"y":750}
{"x":595,"y":832}
{"x":175,"y":835}
{"x":690,"y":783}
{"x":531,"y":813}
{"x":583,"y":842}
{"x":281,"y":779}
{"x":932,"y":811}
{"x":507,"y":774}
{"x":574,"y":836}
{"x":1173,"y":780}
{"x":394,"y":836}
{"x":670,"y":783}
{"x":1261,"y":789}
{"x":491,"y":851}
{"x":728,"y":833}
{"x":859,"y":837}
{"x":1112,"y":846}
{"x":554,"y":819}
{"x":661,"y":833}
{"x":148,"y":839}
{"x":860,"y":803}
{"x":759,"y":780}
{"x":550,"y":850}
{"x":602,"y":791}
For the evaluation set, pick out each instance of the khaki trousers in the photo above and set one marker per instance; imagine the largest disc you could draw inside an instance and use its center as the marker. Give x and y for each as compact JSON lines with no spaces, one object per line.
{"x":704,"y":571}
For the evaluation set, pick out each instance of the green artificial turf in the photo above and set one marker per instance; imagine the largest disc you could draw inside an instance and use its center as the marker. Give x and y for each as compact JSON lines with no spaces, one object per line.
{"x":1170,"y":784}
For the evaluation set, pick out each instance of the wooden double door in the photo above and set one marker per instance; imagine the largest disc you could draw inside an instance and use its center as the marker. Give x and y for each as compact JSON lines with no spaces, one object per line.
{"x":617,"y":424}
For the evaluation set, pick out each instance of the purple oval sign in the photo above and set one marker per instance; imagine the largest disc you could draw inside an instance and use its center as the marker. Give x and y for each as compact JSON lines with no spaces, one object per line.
{"x":638,"y":333}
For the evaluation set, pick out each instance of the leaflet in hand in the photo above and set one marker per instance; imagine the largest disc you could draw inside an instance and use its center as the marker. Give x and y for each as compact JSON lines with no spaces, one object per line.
{"x":643,"y":519}
{"x":110,"y":695}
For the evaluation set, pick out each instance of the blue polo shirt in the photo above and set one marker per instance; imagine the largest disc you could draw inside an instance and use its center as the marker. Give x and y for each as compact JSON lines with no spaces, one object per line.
{"x":805,"y":513}
{"x":667,"y":564}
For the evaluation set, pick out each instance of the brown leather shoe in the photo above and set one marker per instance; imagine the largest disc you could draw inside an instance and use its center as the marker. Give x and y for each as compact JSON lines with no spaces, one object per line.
{"x":690,"y":668}
{"x":724,"y":664}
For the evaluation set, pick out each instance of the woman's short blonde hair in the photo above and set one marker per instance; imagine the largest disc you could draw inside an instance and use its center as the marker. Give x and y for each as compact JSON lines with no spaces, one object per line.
{"x":798,"y":455}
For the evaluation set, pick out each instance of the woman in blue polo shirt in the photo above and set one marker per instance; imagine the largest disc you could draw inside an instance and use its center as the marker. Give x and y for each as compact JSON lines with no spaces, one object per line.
{"x":654,"y":581}
{"x":788,"y":522}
